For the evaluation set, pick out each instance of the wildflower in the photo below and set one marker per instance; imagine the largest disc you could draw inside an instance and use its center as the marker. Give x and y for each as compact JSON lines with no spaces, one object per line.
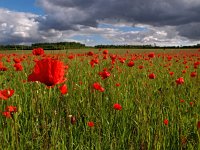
{"x":117,"y":84}
{"x":117,"y":106}
{"x":98,"y":87}
{"x":130,"y":64}
{"x":166,"y":122}
{"x":16,"y":60}
{"x":104,"y":74}
{"x":2,"y":67}
{"x":63,"y":89}
{"x":38,"y":51}
{"x":11,"y":109}
{"x":5,"y":94}
{"x":90,"y":53}
{"x":141,"y":67}
{"x":191,"y":104}
{"x":18,"y":67}
{"x":152,"y":76}
{"x":171,"y":73}
{"x":193,"y":74}
{"x":184,"y":71}
{"x":6,"y":114}
{"x":105,"y":52}
{"x":180,"y":80}
{"x":90,"y":124}
{"x":48,"y":71}
{"x":71,"y":56}
{"x":151,"y":55}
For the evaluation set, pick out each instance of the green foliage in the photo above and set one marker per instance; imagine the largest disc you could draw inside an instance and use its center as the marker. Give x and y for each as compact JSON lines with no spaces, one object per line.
{"x":43,"y":117}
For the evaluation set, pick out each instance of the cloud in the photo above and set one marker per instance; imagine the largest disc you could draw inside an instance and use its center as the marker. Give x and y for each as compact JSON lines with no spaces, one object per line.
{"x":22,"y":28}
{"x":171,"y":22}
{"x":89,"y":12}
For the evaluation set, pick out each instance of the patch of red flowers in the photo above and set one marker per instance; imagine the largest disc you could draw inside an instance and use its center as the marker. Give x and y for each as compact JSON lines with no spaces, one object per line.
{"x":98,"y":87}
{"x":171,"y":73}
{"x":9,"y":111}
{"x":166,"y":122}
{"x":117,"y":106}
{"x":117,"y":84}
{"x":38,"y":51}
{"x":104,"y":74}
{"x":152,"y":76}
{"x":63,"y":89}
{"x":105,"y":52}
{"x":90,"y":124}
{"x":193,"y":74}
{"x":48,"y":71}
{"x":130,"y":64}
{"x":2,"y":67}
{"x":18,"y":67}
{"x":5,"y":94}
{"x":180,"y":80}
{"x":151,"y":55}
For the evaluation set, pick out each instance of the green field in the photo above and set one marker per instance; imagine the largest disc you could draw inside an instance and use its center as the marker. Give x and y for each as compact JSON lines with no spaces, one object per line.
{"x":156,"y":113}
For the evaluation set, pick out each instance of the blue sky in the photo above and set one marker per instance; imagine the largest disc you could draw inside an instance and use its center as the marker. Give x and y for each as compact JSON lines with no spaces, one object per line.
{"x":92,"y":22}
{"x":21,"y":5}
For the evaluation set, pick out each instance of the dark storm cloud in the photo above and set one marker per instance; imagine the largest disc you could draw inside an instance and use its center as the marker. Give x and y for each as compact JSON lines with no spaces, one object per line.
{"x":68,"y":14}
{"x":190,"y":31}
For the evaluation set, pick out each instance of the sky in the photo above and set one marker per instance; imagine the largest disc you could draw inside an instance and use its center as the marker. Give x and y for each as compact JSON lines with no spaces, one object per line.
{"x":95,"y":22}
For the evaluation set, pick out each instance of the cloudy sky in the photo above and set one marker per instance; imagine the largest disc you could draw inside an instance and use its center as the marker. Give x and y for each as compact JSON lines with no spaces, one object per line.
{"x":93,"y":22}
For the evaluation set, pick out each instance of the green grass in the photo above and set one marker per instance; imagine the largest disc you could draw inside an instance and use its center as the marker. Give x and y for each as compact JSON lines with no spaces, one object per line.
{"x":43,"y":122}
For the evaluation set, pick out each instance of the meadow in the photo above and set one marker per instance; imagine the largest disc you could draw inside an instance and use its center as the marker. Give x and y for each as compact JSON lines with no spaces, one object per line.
{"x":98,"y":99}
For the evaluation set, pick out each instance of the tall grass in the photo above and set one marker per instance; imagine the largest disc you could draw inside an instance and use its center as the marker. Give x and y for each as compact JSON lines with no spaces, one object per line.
{"x":43,"y":119}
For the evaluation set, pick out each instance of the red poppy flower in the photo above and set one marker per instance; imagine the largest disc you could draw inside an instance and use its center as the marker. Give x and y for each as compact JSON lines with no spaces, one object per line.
{"x":191,"y":104}
{"x":93,"y":62}
{"x":2,"y":67}
{"x":71,"y":56}
{"x":193,"y":74}
{"x":117,"y":84}
{"x":48,"y":71}
{"x":11,"y":109}
{"x":105,"y":52}
{"x":18,"y":67}
{"x":140,"y":67}
{"x":151,"y":55}
{"x":6,"y":114}
{"x":104,"y":74}
{"x":38,"y":51}
{"x":152,"y":76}
{"x":63,"y":89}
{"x":90,"y":124}
{"x":117,"y":106}
{"x":184,"y":71}
{"x":180,"y":80}
{"x":16,"y":60}
{"x":171,"y":73}
{"x":182,"y":101}
{"x":166,"y":122}
{"x":98,"y":87}
{"x":90,"y":53}
{"x":5,"y":94}
{"x":130,"y":64}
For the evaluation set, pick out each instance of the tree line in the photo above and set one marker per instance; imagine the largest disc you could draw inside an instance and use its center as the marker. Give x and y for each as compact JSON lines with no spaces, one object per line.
{"x":145,"y":46}
{"x":45,"y":46}
{"x":77,"y":45}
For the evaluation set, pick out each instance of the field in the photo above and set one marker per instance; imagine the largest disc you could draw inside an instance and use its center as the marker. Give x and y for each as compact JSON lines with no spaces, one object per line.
{"x":100,"y":99}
